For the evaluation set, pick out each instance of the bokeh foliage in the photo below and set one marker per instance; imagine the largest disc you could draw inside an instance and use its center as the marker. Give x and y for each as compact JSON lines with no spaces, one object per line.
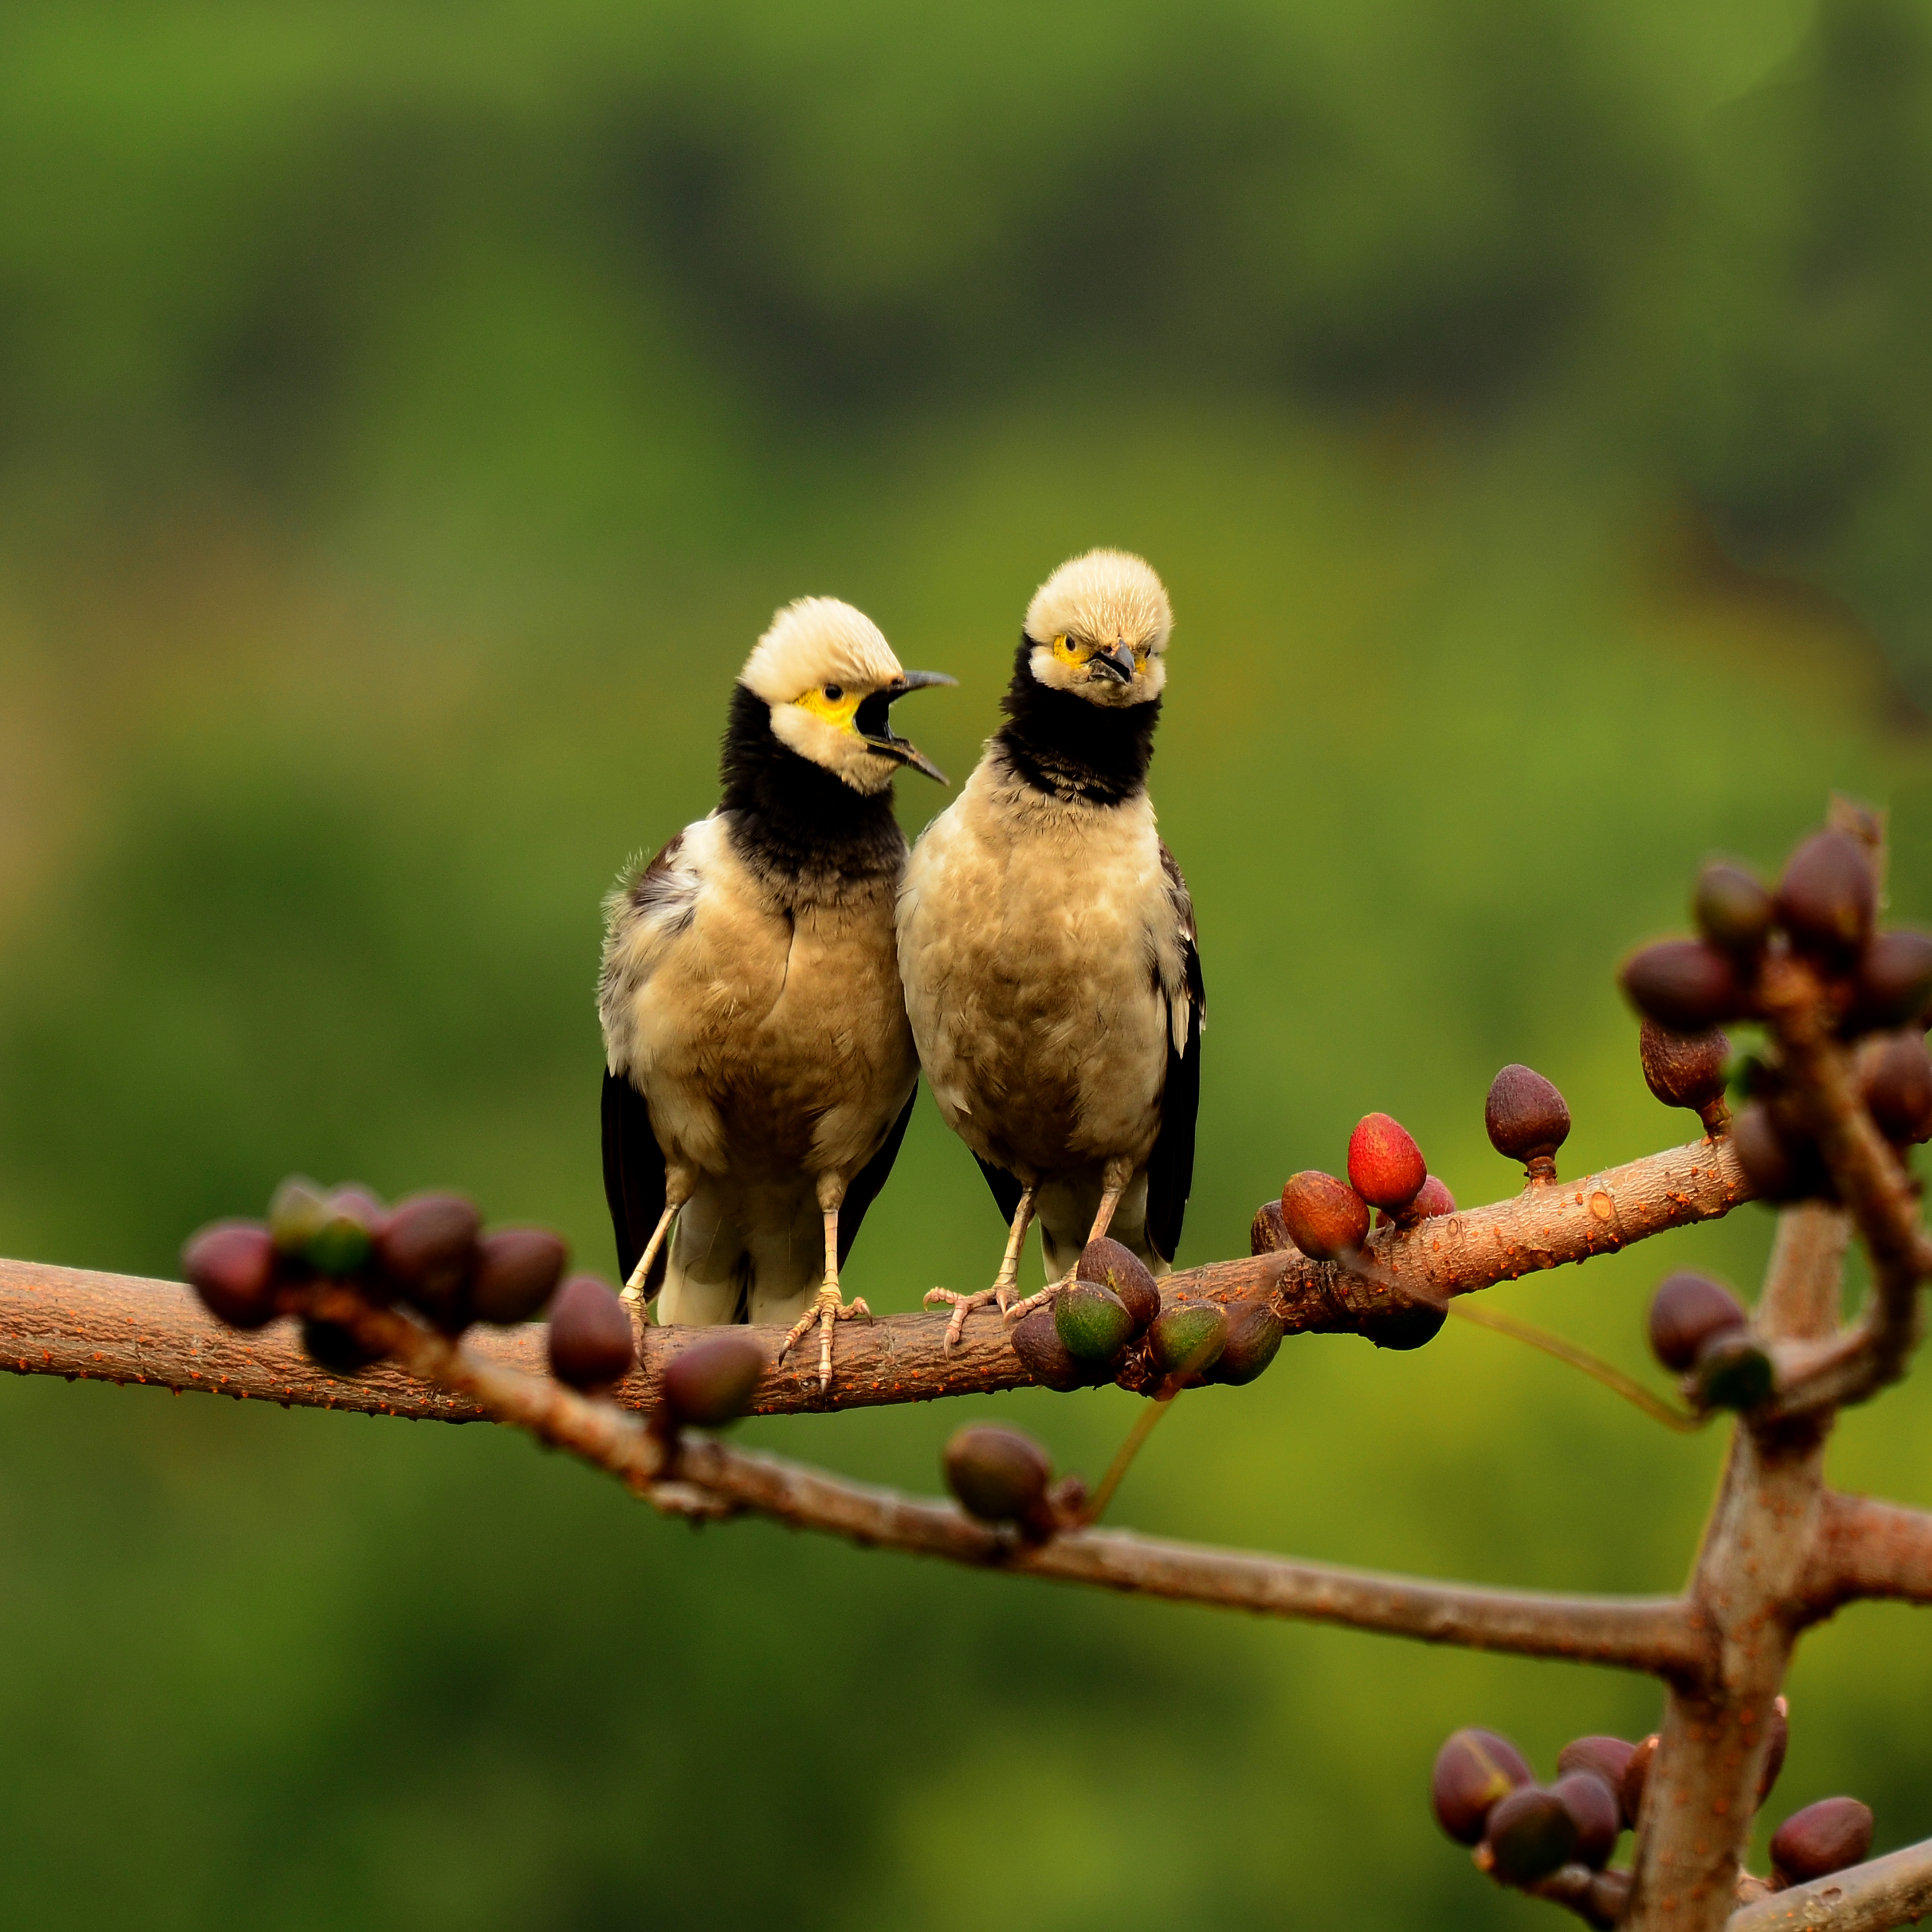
{"x":409,"y":416}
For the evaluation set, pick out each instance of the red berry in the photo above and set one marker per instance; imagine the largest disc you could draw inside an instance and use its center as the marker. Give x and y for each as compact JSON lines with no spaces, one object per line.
{"x":516,"y":1270}
{"x":1385,"y":1166}
{"x":1683,"y":1069}
{"x":1893,"y":986}
{"x":1434,"y":1199}
{"x":1608,"y":1757}
{"x":1325,"y":1218}
{"x":1529,"y":1834}
{"x":1733,"y":907}
{"x":1897,"y":1077}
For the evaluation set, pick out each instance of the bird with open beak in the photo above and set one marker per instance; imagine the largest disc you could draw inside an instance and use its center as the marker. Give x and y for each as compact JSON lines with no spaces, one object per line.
{"x":759,"y":1068}
{"x":1047,"y":947}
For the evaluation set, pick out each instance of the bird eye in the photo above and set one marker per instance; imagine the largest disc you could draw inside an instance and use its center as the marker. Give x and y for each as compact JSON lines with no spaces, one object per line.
{"x":832,"y":692}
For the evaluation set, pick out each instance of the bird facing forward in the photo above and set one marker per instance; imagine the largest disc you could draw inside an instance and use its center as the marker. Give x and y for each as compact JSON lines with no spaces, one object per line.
{"x":759,"y":1071}
{"x":1046,"y":942}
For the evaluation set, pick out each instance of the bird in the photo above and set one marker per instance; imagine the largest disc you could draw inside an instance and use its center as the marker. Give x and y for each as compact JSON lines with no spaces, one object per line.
{"x":759,"y":1069}
{"x":1047,"y":943}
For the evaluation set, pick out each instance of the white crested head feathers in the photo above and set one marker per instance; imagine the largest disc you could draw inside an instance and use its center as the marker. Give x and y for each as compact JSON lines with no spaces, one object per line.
{"x":1099,"y":627}
{"x":829,"y":678}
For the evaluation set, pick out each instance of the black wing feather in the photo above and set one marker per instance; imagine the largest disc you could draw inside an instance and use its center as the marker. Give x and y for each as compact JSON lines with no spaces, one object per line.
{"x":1007,"y":1188}
{"x":864,"y":1187}
{"x":1171,"y":1166}
{"x":634,"y":1178}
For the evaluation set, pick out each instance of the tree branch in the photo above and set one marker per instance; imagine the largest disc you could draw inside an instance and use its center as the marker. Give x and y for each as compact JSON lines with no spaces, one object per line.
{"x":1874,"y":1186}
{"x":1700,"y":1795}
{"x":701,"y":1476}
{"x":75,"y":1322}
{"x":1894,"y":1890}
{"x":1865,"y":1548}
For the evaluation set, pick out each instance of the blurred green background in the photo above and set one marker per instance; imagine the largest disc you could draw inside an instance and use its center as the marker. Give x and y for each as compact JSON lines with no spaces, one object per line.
{"x":408,"y":417}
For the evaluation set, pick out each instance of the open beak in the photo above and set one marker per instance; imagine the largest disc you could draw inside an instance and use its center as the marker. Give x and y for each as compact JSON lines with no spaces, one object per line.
{"x":874,"y":723}
{"x":1118,"y":663}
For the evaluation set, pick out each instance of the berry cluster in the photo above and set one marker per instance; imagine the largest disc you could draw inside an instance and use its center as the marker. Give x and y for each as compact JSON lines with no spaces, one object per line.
{"x":1525,"y":1834}
{"x":1699,"y":1330}
{"x":1108,"y":1324}
{"x":1000,"y":1476}
{"x":1327,"y":1220}
{"x":1874,"y":987}
{"x":429,"y":1253}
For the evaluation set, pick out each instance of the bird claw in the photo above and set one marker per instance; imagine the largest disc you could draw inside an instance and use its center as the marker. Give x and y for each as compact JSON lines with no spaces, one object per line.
{"x":963,"y":1305}
{"x":828,"y":1307}
{"x":1021,"y":1309}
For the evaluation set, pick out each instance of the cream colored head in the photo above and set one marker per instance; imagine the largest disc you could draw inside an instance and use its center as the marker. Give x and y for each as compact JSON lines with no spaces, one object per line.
{"x":1099,"y":627}
{"x":830,"y":678}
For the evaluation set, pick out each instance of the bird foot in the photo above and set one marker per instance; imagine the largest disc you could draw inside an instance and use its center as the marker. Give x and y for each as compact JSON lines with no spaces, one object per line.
{"x":963,"y":1305}
{"x":1018,"y":1309}
{"x":829,"y":1307}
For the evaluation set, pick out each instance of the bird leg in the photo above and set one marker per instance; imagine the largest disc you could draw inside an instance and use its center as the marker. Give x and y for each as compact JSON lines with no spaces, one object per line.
{"x":634,"y":1288}
{"x":829,"y":1306}
{"x":1103,"y":1219}
{"x":1004,"y":1283}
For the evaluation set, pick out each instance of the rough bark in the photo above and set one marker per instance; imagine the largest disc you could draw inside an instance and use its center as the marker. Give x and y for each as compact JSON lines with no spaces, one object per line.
{"x":75,"y":1322}
{"x":1894,"y":1890}
{"x":1700,"y":1796}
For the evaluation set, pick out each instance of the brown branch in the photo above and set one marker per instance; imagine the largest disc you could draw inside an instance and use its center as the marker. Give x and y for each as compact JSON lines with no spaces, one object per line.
{"x":697,"y":1475}
{"x":74,"y":1322}
{"x":1701,"y":1792}
{"x":1874,"y":1186}
{"x":1894,"y":1890}
{"x":1864,"y":1548}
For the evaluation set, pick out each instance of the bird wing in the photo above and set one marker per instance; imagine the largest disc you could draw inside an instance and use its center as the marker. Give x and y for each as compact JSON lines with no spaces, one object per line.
{"x":634,"y":1177}
{"x":863,"y":1188}
{"x":653,"y":904}
{"x":1171,"y":1165}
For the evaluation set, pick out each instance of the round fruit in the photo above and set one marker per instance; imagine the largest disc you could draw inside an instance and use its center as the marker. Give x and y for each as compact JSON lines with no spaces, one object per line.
{"x":1683,"y":1069}
{"x":998,"y":1475}
{"x":1036,"y":1340}
{"x":1527,"y":1118}
{"x":1686,"y":1311}
{"x":1608,"y":1757}
{"x":1530,"y":1833}
{"x":591,"y":1344}
{"x":1733,"y":907}
{"x":1117,"y":1267}
{"x":1895,"y":981}
{"x":712,"y":1382}
{"x":1092,"y":1321}
{"x":1827,"y":896}
{"x":231,"y":1265}
{"x":1822,"y":1838}
{"x":1385,"y":1166}
{"x":1326,"y":1218}
{"x":425,"y":1252}
{"x":1593,"y":1804}
{"x":1897,"y":1084}
{"x":1188,"y":1337}
{"x":515,"y":1272}
{"x":1473,"y":1770}
{"x":1682,"y":984}
{"x":1253,"y":1342}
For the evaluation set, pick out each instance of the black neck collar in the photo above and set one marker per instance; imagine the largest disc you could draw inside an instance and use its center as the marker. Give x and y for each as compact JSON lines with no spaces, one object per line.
{"x":1062,"y":745}
{"x":803,"y":829}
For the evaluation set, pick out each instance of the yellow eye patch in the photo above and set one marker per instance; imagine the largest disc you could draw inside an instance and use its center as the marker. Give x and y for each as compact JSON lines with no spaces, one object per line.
{"x":1069,"y":652}
{"x":837,"y":711}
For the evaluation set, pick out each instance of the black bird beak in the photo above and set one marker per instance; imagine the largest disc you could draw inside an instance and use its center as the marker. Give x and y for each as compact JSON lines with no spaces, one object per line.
{"x":873,"y":721}
{"x":1118,"y":663}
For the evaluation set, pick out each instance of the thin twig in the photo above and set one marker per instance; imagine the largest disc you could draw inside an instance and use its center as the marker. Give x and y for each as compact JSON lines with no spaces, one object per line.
{"x":1613,"y":1378}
